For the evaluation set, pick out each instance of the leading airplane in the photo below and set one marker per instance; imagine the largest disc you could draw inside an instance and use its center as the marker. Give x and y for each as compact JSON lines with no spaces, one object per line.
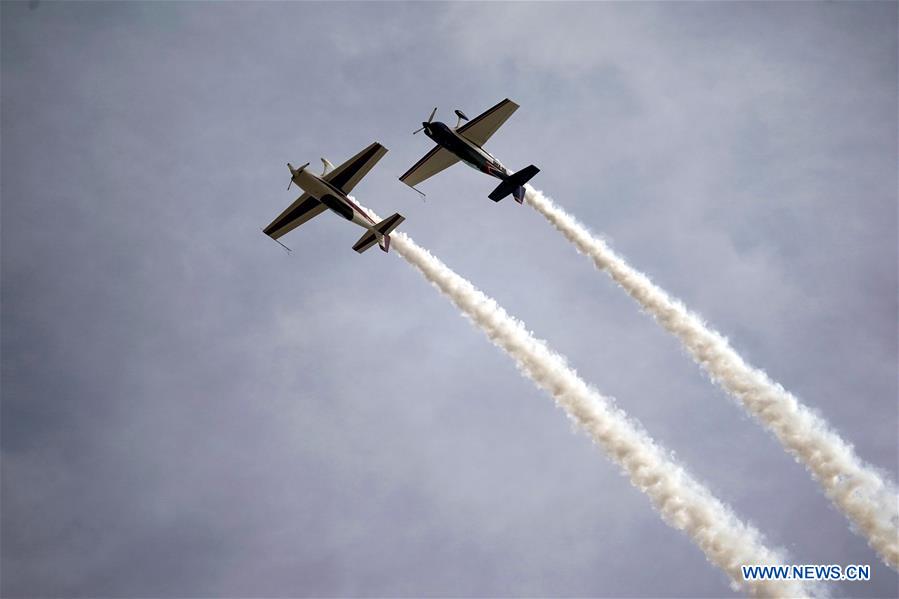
{"x":329,"y":191}
{"x":465,"y":143}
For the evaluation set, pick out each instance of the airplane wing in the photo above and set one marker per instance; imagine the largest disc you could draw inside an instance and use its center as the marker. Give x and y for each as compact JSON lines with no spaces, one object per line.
{"x":303,"y":209}
{"x":432,"y":163}
{"x":347,"y":175}
{"x":479,"y":129}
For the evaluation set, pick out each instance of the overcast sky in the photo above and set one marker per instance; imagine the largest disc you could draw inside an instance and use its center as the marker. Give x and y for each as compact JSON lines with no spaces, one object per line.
{"x":189,"y":411}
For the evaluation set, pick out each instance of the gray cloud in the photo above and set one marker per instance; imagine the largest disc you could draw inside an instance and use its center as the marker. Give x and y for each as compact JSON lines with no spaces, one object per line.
{"x":188,"y":411}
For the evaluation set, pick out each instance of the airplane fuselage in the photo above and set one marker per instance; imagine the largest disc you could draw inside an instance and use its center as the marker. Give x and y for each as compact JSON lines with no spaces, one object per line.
{"x":333,"y":198}
{"x":474,"y":156}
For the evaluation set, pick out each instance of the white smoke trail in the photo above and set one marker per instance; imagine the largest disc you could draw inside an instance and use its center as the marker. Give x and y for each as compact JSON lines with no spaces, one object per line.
{"x":683,"y":502}
{"x":857,"y":489}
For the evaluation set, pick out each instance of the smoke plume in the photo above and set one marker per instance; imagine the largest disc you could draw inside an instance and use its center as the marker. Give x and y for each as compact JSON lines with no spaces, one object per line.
{"x":857,"y":489}
{"x":683,"y":502}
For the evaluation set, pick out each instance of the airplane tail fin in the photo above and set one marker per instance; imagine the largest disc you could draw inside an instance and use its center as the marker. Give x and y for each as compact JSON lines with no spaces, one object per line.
{"x":514,"y":184}
{"x":380,"y":234}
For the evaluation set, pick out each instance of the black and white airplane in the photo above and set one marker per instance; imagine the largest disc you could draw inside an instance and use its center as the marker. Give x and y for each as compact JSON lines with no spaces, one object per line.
{"x":329,"y":191}
{"x":464,"y":143}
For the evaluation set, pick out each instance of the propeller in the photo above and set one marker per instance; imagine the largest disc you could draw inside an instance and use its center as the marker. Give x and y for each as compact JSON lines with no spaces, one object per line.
{"x":294,"y":172}
{"x":430,"y":118}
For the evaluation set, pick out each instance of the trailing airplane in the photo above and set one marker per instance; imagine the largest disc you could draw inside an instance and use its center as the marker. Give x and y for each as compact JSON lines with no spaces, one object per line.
{"x":464,"y":143}
{"x":329,"y":191}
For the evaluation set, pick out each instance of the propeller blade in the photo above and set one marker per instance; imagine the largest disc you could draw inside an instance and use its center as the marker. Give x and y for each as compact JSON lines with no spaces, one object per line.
{"x":430,"y":118}
{"x":296,"y":171}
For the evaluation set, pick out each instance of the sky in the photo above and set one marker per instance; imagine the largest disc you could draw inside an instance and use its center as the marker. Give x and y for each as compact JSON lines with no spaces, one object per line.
{"x":187,"y":410}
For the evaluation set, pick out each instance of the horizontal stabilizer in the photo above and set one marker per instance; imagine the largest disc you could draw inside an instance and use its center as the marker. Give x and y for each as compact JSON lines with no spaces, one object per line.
{"x":380,"y":234}
{"x":385,"y":227}
{"x":389,"y":224}
{"x":514,"y":184}
{"x":366,"y":241}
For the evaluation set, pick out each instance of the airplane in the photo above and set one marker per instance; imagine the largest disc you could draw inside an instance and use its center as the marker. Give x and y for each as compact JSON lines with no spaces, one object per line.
{"x":329,"y":191}
{"x":464,"y":143}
